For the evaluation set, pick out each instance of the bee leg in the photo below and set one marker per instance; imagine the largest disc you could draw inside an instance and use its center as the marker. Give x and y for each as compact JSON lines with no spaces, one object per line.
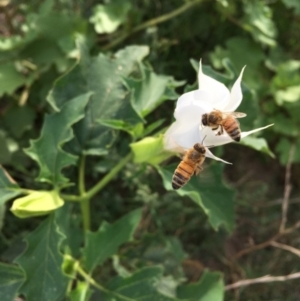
{"x":220,"y":131}
{"x":198,"y":169}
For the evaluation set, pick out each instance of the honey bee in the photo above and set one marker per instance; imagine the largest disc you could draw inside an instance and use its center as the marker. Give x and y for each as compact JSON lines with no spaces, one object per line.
{"x":191,"y":164}
{"x":224,"y":121}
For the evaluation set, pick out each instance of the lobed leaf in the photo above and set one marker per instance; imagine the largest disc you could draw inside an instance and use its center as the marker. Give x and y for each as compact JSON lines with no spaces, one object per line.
{"x":259,"y":144}
{"x":148,"y":92}
{"x":11,"y":79}
{"x":209,"y":287}
{"x":11,"y":278}
{"x":106,"y":241}
{"x":47,"y":150}
{"x":103,"y":76}
{"x":211,"y":195}
{"x":42,"y":263}
{"x":142,"y":285}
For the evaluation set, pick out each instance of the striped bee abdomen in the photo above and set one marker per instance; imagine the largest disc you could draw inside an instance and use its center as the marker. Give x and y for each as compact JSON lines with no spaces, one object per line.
{"x":232,"y":128}
{"x":182,"y":174}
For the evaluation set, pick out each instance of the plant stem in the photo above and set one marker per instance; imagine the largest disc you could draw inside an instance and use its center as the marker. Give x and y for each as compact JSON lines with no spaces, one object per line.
{"x":86,"y":196}
{"x":102,"y":183}
{"x":91,"y":281}
{"x":81,"y":184}
{"x":152,"y":22}
{"x":85,"y":201}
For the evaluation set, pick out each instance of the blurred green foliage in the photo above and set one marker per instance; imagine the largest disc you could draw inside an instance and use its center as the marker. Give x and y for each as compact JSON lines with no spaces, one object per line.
{"x":87,"y":88}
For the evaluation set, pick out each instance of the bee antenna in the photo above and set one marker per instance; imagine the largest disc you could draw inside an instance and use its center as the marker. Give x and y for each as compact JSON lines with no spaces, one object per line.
{"x":203,"y":139}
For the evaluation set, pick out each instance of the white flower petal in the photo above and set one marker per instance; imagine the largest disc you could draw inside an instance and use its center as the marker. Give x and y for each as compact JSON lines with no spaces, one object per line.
{"x":245,"y":134}
{"x":211,"y":139}
{"x":236,"y":95}
{"x":219,"y":94}
{"x":180,"y":137}
{"x":190,"y":107}
{"x":209,"y":154}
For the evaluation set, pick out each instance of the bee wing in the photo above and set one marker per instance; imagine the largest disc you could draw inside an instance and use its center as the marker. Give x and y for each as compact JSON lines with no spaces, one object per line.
{"x":198,"y":169}
{"x":235,"y":114}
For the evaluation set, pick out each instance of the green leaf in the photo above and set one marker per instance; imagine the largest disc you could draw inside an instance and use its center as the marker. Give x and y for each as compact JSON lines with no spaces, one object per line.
{"x":242,"y":52}
{"x":148,"y":92}
{"x":134,"y":130}
{"x":19,"y":119}
{"x":295,"y":4}
{"x":286,"y":126}
{"x":103,"y":76}
{"x":209,"y":288}
{"x":36,"y":203}
{"x":259,"y":144}
{"x":47,"y":150}
{"x":42,"y":263}
{"x":5,"y":154}
{"x":107,"y":18}
{"x":284,"y":147}
{"x":11,"y":278}
{"x":259,"y":22}
{"x":105,"y":242}
{"x":211,"y":195}
{"x":142,"y":285}
{"x":290,"y":94}
{"x":150,"y":149}
{"x":10,"y":79}
{"x":8,"y":187}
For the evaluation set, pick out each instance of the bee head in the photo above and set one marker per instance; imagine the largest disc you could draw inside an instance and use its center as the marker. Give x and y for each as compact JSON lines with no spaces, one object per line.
{"x":204,"y":119}
{"x":199,"y":148}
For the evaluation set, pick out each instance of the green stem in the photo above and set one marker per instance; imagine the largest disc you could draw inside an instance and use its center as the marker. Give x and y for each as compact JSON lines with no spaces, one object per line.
{"x":85,"y":201}
{"x":86,"y":213}
{"x":91,"y":281}
{"x":81,"y":184}
{"x":102,"y":183}
{"x":71,"y":197}
{"x":152,"y":22}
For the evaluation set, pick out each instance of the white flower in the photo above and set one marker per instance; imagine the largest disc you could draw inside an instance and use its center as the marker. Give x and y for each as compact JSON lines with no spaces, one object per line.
{"x":211,"y":95}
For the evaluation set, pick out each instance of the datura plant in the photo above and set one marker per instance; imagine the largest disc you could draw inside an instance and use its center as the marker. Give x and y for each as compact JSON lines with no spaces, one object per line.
{"x":188,"y":129}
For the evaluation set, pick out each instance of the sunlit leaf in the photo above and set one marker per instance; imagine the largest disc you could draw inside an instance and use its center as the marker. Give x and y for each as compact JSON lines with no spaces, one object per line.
{"x":106,"y":18}
{"x":36,"y":203}
{"x":8,"y":187}
{"x":10,"y":78}
{"x":209,"y":287}
{"x":47,"y":150}
{"x":103,"y":76}
{"x":148,"y":92}
{"x":210,"y":194}
{"x":106,"y":241}
{"x":42,"y":263}
{"x":259,"y":144}
{"x":258,"y":20}
{"x":11,"y":278}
